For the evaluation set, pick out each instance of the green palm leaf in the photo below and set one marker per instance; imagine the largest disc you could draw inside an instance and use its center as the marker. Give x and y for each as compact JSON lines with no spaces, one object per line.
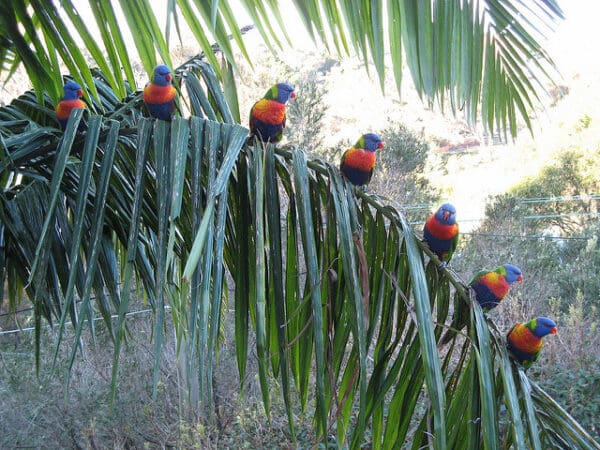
{"x":483,"y":57}
{"x":330,"y":281}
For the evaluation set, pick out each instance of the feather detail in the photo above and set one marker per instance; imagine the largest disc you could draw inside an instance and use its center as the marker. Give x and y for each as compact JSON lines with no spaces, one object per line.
{"x":357,"y":163}
{"x":442,"y":247}
{"x":268,"y":115}
{"x":356,"y":176}
{"x":439,"y":230}
{"x":64,"y":108}
{"x":268,"y":112}
{"x":267,"y":120}
{"x":160,"y":100}
{"x":495,"y":283}
{"x":524,"y":340}
{"x":490,"y":288}
{"x":359,"y":159}
{"x":155,"y":94}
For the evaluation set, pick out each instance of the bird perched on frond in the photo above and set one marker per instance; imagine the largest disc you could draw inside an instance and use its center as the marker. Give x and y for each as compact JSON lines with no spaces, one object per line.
{"x":524,"y":340}
{"x":159,"y":94}
{"x":490,"y":287}
{"x":441,"y":232}
{"x":69,"y":102}
{"x":358,"y":161}
{"x":267,"y":116}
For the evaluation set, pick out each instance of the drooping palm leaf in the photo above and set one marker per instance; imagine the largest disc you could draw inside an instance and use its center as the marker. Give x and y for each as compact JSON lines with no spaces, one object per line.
{"x":330,"y":281}
{"x":203,"y":163}
{"x":485,"y":58}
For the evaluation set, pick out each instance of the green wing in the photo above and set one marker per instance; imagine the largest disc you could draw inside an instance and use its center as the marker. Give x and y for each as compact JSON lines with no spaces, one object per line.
{"x":534,"y":358}
{"x":478,"y":275}
{"x":453,"y":246}
{"x":343,"y":159}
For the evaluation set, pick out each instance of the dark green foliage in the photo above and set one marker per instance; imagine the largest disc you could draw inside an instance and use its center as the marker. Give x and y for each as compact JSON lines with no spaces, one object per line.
{"x":578,"y":388}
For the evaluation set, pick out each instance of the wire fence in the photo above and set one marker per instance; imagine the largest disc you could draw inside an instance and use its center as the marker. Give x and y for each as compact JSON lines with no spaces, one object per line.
{"x":585,"y":208}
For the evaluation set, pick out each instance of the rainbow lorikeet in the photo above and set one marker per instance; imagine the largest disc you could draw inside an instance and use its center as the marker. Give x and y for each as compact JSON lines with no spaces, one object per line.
{"x":524,"y":340}
{"x":490,"y":287}
{"x":441,"y":232}
{"x":159,"y":94}
{"x":70,"y":101}
{"x":358,"y":161}
{"x":267,"y":116}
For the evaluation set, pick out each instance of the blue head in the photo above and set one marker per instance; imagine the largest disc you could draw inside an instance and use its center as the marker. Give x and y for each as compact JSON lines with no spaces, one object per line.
{"x":281,"y":92}
{"x":162,"y":75}
{"x":446,"y":214}
{"x":370,"y":142}
{"x":544,"y":326}
{"x":512,"y":273}
{"x":285,"y":91}
{"x":72,"y":91}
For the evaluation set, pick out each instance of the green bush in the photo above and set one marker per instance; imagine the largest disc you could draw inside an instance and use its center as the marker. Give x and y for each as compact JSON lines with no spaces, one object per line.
{"x":557,"y":199}
{"x":578,"y":390}
{"x":553,"y":237}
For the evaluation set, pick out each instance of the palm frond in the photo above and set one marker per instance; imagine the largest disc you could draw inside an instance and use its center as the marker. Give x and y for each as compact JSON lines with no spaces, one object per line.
{"x":485,"y":58}
{"x":330,"y":281}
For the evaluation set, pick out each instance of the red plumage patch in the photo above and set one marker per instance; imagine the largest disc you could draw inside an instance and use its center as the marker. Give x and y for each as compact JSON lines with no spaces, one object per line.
{"x":155,"y":94}
{"x":268,"y":111}
{"x":439,"y":230}
{"x":360,"y":159}
{"x":523,"y":339}
{"x":64,"y":108}
{"x":496,"y":283}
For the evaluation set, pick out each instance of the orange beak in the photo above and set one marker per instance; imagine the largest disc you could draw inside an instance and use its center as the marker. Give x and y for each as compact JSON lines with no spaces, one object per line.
{"x":80,"y":93}
{"x":293,"y":95}
{"x":446,"y":215}
{"x":520,"y":278}
{"x":554,"y":330}
{"x":380,"y":145}
{"x":169,"y":77}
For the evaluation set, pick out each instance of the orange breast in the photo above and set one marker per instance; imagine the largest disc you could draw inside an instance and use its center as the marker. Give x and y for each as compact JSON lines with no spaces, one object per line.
{"x":268,"y":111}
{"x":64,"y":107}
{"x":360,"y":159}
{"x":441,"y":231}
{"x":525,"y":340}
{"x":156,"y":94}
{"x":496,"y":283}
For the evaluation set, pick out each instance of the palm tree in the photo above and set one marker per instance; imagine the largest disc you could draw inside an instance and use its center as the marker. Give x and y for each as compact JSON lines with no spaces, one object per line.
{"x":330,"y":280}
